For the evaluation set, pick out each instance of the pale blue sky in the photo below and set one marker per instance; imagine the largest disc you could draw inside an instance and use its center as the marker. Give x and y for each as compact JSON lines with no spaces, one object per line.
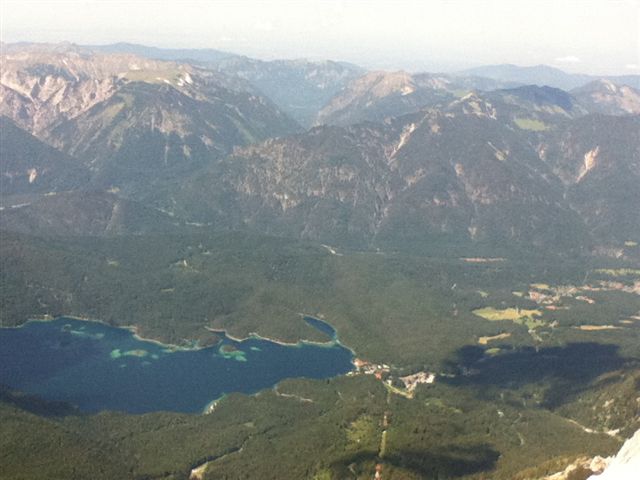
{"x":591,"y":36}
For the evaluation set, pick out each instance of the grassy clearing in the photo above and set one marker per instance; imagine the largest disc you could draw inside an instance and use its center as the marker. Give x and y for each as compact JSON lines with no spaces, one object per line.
{"x":596,"y":328}
{"x":398,"y":391}
{"x":324,"y":474}
{"x":153,"y":76}
{"x":459,"y":93}
{"x":486,"y":340}
{"x":530,"y":124}
{"x":361,"y":430}
{"x":516,"y":315}
{"x":383,"y":444}
{"x":618,"y":272}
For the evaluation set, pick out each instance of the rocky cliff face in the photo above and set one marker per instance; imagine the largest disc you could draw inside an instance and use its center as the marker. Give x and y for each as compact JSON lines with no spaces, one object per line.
{"x":466,"y":172}
{"x":129,"y":120}
{"x":622,"y":466}
{"x":626,"y":464}
{"x":456,"y":173}
{"x":40,"y":87}
{"x":605,"y":96}
{"x":597,"y":158}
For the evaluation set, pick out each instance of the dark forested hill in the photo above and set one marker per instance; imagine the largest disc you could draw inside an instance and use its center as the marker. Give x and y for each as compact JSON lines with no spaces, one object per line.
{"x":27,"y":165}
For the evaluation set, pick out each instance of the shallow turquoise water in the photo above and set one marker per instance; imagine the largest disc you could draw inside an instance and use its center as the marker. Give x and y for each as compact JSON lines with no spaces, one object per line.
{"x":98,"y":367}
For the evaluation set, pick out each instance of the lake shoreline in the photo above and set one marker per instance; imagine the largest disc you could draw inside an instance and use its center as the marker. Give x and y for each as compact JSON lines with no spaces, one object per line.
{"x":135,"y":330}
{"x":256,"y":336}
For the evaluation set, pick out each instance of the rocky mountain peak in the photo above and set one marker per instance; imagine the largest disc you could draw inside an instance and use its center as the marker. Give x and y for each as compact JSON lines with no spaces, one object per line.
{"x":472,"y":104}
{"x":605,"y":96}
{"x":378,"y":95}
{"x":382,"y":84}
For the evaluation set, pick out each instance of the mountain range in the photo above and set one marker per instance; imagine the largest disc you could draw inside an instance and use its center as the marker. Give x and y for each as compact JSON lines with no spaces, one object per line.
{"x":395,"y":159}
{"x":545,"y":75}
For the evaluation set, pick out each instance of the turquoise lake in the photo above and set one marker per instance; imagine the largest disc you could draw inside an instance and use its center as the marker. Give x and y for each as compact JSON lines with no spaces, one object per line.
{"x":98,"y":367}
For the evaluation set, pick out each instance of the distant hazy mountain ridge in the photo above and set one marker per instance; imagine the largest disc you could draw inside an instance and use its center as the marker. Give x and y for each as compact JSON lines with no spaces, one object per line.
{"x":544,"y":75}
{"x":299,"y":87}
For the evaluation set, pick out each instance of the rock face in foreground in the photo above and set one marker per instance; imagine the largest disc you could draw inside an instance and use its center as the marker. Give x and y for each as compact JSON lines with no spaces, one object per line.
{"x":623,"y":466}
{"x":626,"y":464}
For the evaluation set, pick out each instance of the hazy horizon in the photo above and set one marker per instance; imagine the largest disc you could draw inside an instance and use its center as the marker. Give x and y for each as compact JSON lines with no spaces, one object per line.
{"x":596,"y":37}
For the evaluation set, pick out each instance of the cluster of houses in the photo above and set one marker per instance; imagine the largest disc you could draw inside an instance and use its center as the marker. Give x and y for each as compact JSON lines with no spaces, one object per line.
{"x":605,"y":286}
{"x":382,"y":372}
{"x":555,"y":294}
{"x":412,"y":381}
{"x":550,"y":296}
